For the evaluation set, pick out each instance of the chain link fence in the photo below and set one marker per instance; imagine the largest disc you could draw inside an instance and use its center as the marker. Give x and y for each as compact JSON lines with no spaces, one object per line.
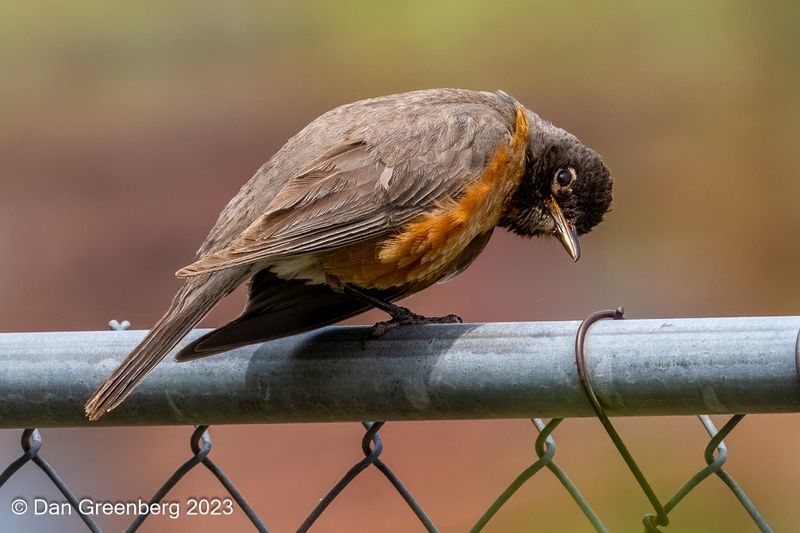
{"x":774,"y":341}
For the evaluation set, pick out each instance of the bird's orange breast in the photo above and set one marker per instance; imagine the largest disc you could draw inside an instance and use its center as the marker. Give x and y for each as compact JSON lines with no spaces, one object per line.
{"x":424,"y":250}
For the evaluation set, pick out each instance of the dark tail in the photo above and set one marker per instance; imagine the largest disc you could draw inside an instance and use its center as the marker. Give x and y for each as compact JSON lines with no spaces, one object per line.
{"x":277,"y":308}
{"x":197,"y":296}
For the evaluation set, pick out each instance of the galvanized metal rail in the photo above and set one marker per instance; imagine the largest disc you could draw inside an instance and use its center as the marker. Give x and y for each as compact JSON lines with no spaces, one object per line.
{"x":469,"y":371}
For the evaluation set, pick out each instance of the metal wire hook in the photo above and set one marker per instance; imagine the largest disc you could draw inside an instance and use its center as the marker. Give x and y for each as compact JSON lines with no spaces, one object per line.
{"x":661,"y":518}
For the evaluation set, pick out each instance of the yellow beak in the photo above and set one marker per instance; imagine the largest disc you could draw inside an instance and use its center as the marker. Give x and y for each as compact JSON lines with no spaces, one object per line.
{"x":565,"y":231}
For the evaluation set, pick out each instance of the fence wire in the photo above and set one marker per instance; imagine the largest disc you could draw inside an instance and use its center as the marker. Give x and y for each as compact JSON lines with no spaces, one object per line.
{"x":715,"y":455}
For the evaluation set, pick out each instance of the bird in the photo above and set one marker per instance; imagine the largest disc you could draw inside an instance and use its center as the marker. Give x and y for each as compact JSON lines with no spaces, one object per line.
{"x":371,"y":202}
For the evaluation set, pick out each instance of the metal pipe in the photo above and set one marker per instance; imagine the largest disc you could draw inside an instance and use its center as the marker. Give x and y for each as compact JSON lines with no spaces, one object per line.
{"x":468,"y":371}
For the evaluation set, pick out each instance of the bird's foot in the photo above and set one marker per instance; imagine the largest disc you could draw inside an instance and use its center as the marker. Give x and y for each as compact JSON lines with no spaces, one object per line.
{"x":334,"y":283}
{"x":405,"y":317}
{"x":400,"y":315}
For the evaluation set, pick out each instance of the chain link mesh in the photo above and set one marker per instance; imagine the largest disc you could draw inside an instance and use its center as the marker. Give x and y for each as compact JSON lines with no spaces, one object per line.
{"x":715,"y":455}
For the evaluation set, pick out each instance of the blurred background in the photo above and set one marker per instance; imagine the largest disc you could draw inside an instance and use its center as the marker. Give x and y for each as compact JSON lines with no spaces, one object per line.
{"x":126,"y":127}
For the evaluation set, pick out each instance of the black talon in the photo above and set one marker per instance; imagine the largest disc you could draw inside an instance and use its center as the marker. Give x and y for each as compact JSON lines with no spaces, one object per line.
{"x":401,"y":316}
{"x":408,"y":318}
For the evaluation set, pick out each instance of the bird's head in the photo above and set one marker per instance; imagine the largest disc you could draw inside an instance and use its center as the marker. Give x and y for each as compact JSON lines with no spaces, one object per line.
{"x":565,"y":191}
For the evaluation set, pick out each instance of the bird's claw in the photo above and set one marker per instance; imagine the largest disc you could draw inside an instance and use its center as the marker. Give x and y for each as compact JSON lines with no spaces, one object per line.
{"x":408,"y":318}
{"x":334,"y":283}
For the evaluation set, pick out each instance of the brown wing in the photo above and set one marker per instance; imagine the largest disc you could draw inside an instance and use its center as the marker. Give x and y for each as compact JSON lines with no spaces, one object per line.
{"x":372,"y":184}
{"x":358,"y":170}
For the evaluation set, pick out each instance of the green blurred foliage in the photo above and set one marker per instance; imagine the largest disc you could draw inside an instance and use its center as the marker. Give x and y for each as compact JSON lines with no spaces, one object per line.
{"x":125,"y":126}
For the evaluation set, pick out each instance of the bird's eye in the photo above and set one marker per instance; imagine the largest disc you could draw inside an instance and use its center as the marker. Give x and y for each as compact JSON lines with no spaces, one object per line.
{"x":564,"y":176}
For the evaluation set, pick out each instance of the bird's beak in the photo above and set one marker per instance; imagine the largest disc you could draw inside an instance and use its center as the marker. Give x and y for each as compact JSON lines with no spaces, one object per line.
{"x":565,"y":231}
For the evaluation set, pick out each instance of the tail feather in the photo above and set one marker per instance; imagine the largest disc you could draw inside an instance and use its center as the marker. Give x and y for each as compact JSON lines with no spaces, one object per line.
{"x":191,"y":303}
{"x":277,"y":308}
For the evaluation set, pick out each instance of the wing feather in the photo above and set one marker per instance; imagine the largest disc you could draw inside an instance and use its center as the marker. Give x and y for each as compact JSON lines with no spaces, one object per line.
{"x":370,"y":185}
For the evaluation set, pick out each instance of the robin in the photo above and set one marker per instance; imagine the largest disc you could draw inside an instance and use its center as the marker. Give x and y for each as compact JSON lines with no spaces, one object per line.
{"x":371,"y":202}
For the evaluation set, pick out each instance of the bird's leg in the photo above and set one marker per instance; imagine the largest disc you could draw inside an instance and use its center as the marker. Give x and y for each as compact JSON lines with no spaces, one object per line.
{"x":401,"y":316}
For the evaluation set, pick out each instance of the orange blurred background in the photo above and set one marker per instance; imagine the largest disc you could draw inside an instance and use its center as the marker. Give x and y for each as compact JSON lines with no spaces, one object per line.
{"x":126,"y":127}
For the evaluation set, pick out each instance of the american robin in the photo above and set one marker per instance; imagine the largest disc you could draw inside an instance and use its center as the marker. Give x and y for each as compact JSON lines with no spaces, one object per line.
{"x":371,"y":202}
